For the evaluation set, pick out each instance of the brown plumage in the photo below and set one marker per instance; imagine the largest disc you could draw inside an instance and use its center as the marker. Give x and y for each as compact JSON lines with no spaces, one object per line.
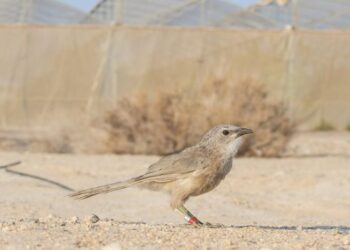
{"x":193,"y":171}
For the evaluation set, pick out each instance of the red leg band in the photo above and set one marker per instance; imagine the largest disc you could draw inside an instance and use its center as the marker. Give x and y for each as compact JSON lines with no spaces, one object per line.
{"x":192,"y":220}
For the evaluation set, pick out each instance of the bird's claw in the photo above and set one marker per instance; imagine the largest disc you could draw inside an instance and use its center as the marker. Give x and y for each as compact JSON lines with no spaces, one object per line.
{"x":213,"y":225}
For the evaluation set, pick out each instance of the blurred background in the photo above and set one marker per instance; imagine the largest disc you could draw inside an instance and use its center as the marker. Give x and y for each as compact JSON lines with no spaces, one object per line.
{"x":113,"y":67}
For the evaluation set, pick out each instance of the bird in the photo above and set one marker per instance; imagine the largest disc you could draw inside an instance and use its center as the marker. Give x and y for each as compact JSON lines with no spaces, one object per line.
{"x":193,"y":171}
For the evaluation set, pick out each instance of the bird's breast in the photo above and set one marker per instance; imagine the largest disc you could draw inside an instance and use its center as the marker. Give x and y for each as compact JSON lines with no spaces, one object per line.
{"x":226,"y":167}
{"x":211,"y":178}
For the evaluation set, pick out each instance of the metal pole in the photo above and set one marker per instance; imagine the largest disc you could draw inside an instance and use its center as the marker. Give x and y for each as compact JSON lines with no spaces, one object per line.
{"x":290,"y":85}
{"x":295,"y":15}
{"x":203,"y":12}
{"x":119,"y":16}
{"x":119,"y":11}
{"x":26,"y":5}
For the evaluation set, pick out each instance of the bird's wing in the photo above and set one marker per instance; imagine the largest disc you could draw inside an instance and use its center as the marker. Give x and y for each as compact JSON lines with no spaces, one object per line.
{"x":172,"y":166}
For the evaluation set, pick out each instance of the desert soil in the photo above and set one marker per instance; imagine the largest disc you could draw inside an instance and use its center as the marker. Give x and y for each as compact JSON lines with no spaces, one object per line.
{"x":287,"y":203}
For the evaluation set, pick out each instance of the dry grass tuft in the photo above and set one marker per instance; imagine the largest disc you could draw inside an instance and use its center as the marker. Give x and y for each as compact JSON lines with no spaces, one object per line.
{"x":324,"y":126}
{"x":169,"y":121}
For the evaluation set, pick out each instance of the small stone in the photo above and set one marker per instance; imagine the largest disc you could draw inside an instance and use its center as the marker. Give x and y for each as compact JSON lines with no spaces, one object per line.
{"x":92,"y":218}
{"x":299,"y":228}
{"x":346,"y":241}
{"x":74,"y":220}
{"x":50,"y":216}
{"x":6,"y":229}
{"x":341,"y":231}
{"x":63,"y":224}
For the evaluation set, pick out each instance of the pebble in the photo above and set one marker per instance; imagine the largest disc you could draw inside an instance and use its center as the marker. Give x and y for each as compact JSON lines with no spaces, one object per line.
{"x":74,"y":220}
{"x":113,"y":246}
{"x":92,"y":219}
{"x":50,"y":217}
{"x":346,"y":240}
{"x":6,"y":229}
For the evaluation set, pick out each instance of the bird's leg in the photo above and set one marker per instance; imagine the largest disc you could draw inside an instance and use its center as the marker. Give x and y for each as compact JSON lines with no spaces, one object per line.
{"x":189,"y":217}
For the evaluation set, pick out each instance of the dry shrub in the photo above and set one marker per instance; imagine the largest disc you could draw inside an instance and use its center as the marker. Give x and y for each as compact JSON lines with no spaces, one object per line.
{"x":151,"y":125}
{"x":169,"y":121}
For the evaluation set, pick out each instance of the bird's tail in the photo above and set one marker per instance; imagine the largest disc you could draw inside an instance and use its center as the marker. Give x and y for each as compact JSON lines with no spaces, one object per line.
{"x":86,"y":193}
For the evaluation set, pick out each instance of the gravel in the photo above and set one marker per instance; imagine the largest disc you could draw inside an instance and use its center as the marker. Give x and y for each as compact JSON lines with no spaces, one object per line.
{"x":110,"y":234}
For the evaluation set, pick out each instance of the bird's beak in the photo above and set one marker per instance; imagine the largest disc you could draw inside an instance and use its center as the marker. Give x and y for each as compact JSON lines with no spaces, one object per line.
{"x":244,"y":131}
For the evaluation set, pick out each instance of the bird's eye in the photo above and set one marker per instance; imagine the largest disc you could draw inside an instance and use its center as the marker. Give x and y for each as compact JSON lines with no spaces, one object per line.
{"x":225,"y":132}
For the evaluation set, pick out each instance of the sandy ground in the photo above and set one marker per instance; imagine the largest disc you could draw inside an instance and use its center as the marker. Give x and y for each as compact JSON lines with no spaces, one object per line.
{"x":289,"y":203}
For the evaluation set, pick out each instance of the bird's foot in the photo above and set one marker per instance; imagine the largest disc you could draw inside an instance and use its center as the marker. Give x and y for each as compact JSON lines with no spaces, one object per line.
{"x":193,"y":221}
{"x":213,"y":225}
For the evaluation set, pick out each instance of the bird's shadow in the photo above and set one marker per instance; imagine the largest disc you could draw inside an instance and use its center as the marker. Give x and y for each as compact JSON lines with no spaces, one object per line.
{"x":291,"y":228}
{"x":339,"y":229}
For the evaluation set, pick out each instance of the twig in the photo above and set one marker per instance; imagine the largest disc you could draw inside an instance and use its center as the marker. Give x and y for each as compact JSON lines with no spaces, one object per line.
{"x":7,"y":166}
{"x":10,"y":164}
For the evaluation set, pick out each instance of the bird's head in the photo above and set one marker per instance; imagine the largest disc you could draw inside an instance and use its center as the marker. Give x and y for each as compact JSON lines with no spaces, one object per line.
{"x":225,"y":137}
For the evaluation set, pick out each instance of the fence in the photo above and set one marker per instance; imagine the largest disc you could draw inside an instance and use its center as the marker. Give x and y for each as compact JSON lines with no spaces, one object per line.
{"x":264,"y":14}
{"x":53,"y":75}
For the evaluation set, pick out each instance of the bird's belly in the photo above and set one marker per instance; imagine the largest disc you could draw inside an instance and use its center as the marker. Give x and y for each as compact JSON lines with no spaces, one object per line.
{"x":210,"y":180}
{"x":197,"y":183}
{"x":207,"y":183}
